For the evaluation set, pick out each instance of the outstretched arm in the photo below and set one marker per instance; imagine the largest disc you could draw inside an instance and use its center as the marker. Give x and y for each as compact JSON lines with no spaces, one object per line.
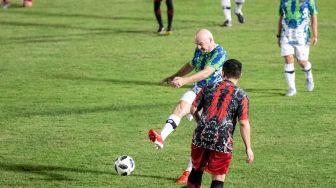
{"x":245,"y":134}
{"x":184,"y":70}
{"x":201,"y":75}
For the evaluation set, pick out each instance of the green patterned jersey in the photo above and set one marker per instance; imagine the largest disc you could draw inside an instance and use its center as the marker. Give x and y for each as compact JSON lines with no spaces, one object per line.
{"x":296,"y":20}
{"x":214,"y":59}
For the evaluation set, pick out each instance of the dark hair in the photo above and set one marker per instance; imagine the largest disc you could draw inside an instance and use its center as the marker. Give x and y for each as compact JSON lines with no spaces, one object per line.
{"x":232,"y":69}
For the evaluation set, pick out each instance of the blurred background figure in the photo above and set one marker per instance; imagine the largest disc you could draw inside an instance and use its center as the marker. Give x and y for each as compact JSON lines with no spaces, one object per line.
{"x":170,"y":14}
{"x":226,"y":5}
{"x":5,"y":4}
{"x":25,"y":3}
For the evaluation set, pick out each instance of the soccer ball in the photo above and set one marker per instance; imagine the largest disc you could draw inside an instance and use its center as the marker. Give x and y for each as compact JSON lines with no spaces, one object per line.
{"x":124,"y":165}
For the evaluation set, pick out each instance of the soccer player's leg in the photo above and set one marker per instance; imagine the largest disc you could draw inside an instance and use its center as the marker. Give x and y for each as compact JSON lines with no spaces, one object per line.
{"x":226,"y":5}
{"x":181,"y":109}
{"x":287,"y":51}
{"x":157,"y":12}
{"x":218,"y":165}
{"x":184,"y":177}
{"x":217,"y":183}
{"x":239,"y":12}
{"x":170,"y":15}
{"x":199,"y":158}
{"x":302,"y":54}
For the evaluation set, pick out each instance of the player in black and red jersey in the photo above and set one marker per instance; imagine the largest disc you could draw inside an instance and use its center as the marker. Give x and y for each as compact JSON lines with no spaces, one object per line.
{"x":222,"y":104}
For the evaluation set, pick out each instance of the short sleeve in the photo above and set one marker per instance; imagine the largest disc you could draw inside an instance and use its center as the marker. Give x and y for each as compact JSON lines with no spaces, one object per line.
{"x":312,"y":8}
{"x":217,"y":58}
{"x":243,"y":108}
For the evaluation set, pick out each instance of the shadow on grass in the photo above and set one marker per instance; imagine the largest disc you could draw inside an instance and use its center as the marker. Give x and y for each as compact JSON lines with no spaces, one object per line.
{"x":96,"y":109}
{"x":50,"y":172}
{"x":108,"y":17}
{"x":93,"y":31}
{"x":51,"y":25}
{"x":154,"y":177}
{"x":115,"y":81}
{"x":71,"y":37}
{"x":81,"y":15}
{"x":56,"y":172}
{"x":67,"y":38}
{"x":15,"y":6}
{"x":271,"y":92}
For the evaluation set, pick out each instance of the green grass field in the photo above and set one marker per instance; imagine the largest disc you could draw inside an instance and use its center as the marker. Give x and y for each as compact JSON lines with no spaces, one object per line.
{"x":78,"y":87}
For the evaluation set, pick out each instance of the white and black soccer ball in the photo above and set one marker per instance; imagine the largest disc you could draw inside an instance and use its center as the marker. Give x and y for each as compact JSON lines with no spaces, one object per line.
{"x":124,"y":165}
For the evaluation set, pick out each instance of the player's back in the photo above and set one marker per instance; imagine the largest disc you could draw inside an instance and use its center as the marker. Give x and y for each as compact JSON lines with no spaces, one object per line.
{"x":222,"y":103}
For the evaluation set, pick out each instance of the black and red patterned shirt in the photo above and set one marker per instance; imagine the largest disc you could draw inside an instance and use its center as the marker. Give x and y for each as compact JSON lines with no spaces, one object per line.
{"x":223,"y":103}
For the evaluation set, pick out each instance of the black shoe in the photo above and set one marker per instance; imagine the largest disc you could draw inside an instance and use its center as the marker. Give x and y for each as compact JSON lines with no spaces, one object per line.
{"x":161,"y":30}
{"x":240,"y":18}
{"x":227,"y":23}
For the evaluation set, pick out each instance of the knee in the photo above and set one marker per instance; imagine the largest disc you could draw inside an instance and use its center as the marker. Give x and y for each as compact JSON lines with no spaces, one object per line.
{"x":218,"y":177}
{"x":182,"y":108}
{"x":289,"y":59}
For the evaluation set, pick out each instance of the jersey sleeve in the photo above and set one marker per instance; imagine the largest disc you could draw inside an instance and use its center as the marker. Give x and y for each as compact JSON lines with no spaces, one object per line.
{"x":312,"y":8}
{"x":217,"y":59}
{"x":243,"y":108}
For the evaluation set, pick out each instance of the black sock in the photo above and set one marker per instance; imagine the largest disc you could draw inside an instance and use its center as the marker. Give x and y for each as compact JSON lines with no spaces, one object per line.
{"x":195,"y":177}
{"x":157,"y":12}
{"x":170,"y":13}
{"x":217,"y":184}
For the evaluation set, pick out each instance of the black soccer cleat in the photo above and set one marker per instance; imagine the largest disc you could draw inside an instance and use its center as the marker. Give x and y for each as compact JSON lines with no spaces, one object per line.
{"x":240,"y":18}
{"x":227,"y":23}
{"x":161,"y":30}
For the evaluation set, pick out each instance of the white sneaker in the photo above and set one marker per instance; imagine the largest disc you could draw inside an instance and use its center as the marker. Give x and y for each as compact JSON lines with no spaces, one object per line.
{"x":310,"y":84}
{"x":291,"y":92}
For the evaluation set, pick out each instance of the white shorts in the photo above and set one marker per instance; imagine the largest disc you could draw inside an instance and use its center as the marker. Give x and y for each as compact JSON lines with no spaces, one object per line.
{"x":301,"y":52}
{"x":188,"y":97}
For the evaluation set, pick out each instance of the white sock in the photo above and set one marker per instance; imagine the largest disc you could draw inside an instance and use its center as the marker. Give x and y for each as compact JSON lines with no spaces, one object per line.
{"x":168,"y":128}
{"x":226,"y":5}
{"x":290,"y":76}
{"x":239,"y":6}
{"x":189,"y":167}
{"x":307,"y":70}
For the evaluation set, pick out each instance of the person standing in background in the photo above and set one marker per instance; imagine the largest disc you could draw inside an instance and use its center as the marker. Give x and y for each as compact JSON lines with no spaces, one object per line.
{"x":226,"y":5}
{"x":297,"y":18}
{"x":170,"y":14}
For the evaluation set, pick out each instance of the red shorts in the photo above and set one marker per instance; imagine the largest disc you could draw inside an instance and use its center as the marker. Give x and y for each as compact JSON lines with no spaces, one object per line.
{"x":216,"y":163}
